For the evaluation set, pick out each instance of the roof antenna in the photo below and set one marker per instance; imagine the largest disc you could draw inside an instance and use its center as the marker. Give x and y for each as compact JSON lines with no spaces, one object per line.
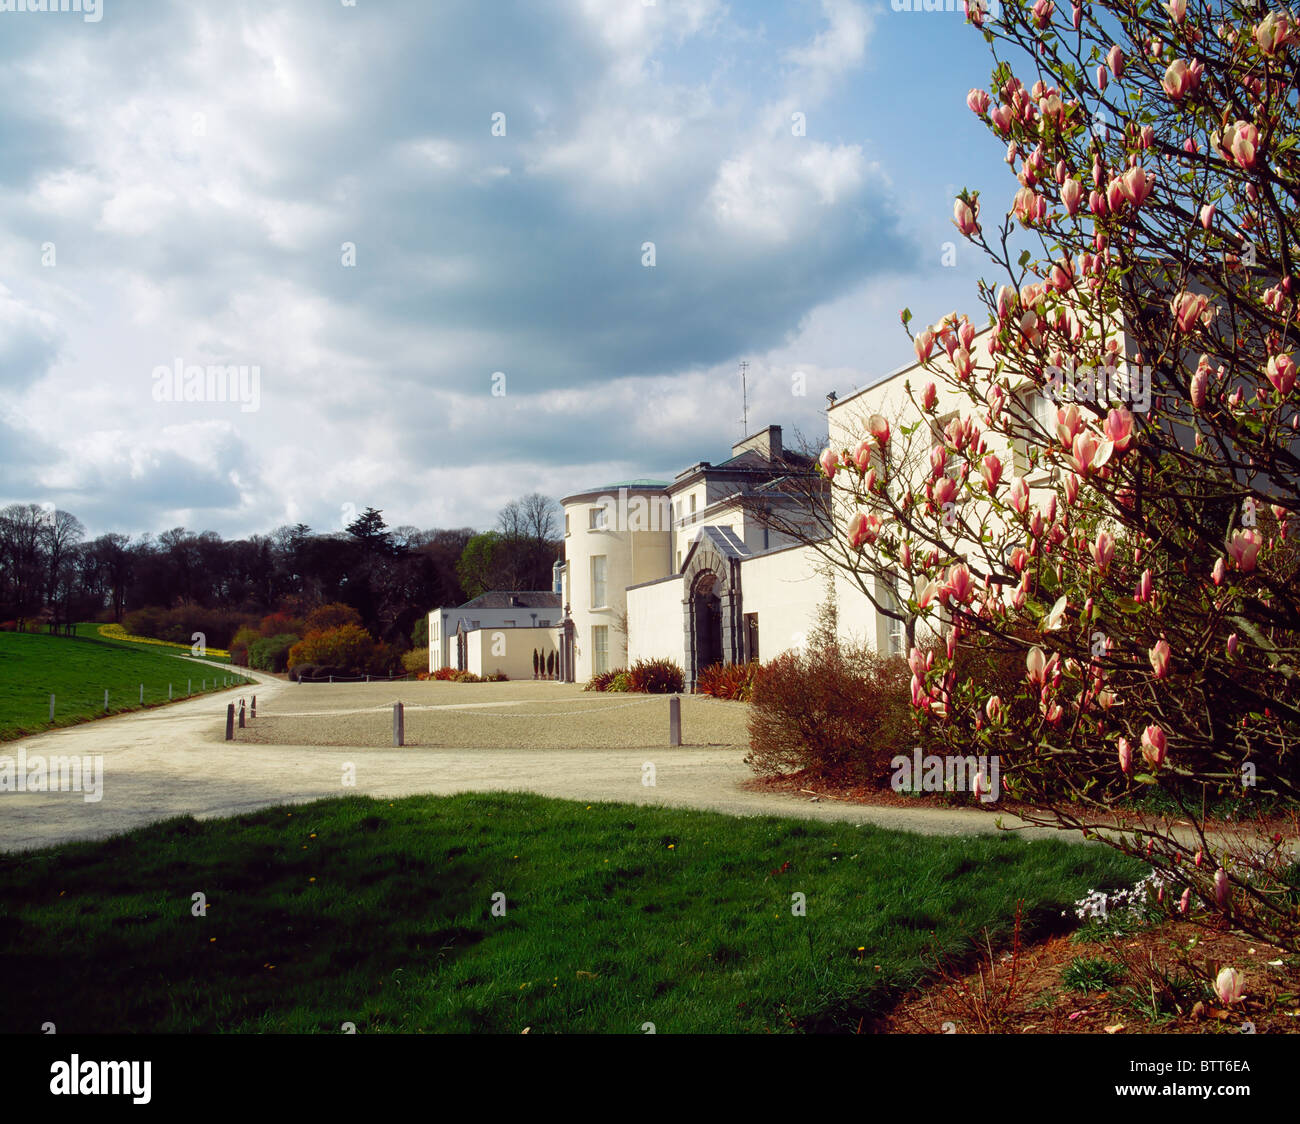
{"x":744,"y":399}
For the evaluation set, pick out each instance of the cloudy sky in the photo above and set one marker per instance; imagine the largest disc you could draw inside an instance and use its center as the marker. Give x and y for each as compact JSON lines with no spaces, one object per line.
{"x":424,"y":225}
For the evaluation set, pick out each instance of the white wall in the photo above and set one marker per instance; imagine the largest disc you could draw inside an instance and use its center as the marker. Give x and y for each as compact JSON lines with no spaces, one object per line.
{"x":507,"y":650}
{"x":654,"y":617}
{"x":786,"y":591}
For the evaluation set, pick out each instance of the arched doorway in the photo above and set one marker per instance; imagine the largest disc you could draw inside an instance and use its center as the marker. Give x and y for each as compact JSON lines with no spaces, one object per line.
{"x":707,"y":605}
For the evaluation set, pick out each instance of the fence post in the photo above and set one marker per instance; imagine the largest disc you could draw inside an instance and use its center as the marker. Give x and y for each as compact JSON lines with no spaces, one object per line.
{"x":203,"y":687}
{"x":252,"y":713}
{"x":241,"y":714}
{"x":169,"y":692}
{"x":675,"y":720}
{"x":142,"y":694}
{"x":189,"y":688}
{"x":230,"y":722}
{"x":399,"y":725}
{"x":105,"y":700}
{"x":51,"y":708}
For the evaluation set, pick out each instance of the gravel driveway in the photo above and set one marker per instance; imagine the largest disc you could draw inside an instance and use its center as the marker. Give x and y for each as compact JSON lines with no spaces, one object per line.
{"x":174,"y":760}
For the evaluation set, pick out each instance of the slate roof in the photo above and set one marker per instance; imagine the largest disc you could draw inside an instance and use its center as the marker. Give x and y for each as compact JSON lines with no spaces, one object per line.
{"x":523,"y":599}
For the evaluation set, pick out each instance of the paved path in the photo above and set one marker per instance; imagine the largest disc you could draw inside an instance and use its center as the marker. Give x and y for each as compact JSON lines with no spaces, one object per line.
{"x":174,"y":761}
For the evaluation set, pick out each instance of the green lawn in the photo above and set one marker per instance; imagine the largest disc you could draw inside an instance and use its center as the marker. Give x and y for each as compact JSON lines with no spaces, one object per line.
{"x":379,"y":914}
{"x":77,"y":672}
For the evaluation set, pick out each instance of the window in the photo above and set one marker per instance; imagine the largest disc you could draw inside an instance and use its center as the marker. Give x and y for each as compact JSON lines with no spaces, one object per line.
{"x":597,"y":519}
{"x":679,"y":561}
{"x":598,"y":569}
{"x":507,"y":624}
{"x":544,"y":624}
{"x":599,"y":649}
{"x":1042,"y":410}
{"x":566,"y":523}
{"x":692,"y":507}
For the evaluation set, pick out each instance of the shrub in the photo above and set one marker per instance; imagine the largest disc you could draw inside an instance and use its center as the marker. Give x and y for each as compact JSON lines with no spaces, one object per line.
{"x":270,"y":653}
{"x":728,"y":681}
{"x":620,"y":682}
{"x":497,"y":677}
{"x":350,"y":647}
{"x":332,"y":616}
{"x":240,"y":645}
{"x":417,"y":660}
{"x":278,"y":624}
{"x":601,"y":680}
{"x":454,"y":675}
{"x":839,"y":711}
{"x":178,"y":625}
{"x":656,"y":677}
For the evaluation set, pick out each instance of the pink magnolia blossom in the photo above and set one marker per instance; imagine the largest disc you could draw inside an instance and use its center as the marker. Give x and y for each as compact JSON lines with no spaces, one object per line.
{"x":1231,"y":646}
{"x":1136,"y":184}
{"x":1185,"y":902}
{"x":1125,"y":756}
{"x":862,"y":458}
{"x":1154,"y":746}
{"x":1103,"y":550}
{"x":1281,"y":373}
{"x":1177,"y":10}
{"x":1019,"y":495}
{"x":1201,"y":382}
{"x":878,"y":427}
{"x":1068,"y":423}
{"x":960,"y":585}
{"x":964,"y":218}
{"x":1043,"y":10}
{"x":1119,"y":429}
{"x":929,"y":396}
{"x":1272,"y":32}
{"x":978,"y":100}
{"x":1190,"y":310}
{"x":945,"y":491}
{"x":923,"y":344}
{"x":1115,"y":60}
{"x":1207,"y":215}
{"x":1240,"y":143}
{"x":1220,"y":568}
{"x":1222,"y":887}
{"x":1228,"y":986}
{"x":863,"y":529}
{"x":1071,"y":195}
{"x":1072,"y":482}
{"x":962,"y":363}
{"x":1159,"y":656}
{"x":991,"y":470}
{"x":1181,"y":78}
{"x":829,"y":463}
{"x":1002,"y":116}
{"x":938,"y":459}
{"x":993,"y":708}
{"x":1143,"y":592}
{"x":1243,"y":548}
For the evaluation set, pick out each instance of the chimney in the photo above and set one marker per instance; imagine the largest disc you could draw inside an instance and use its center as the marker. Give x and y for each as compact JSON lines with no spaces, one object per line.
{"x":765,"y":441}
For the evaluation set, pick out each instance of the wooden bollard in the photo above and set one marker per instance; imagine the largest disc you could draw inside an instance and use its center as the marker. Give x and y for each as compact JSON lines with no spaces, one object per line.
{"x":241,"y":714}
{"x":51,"y":708}
{"x":675,"y":720}
{"x":252,"y":710}
{"x":105,"y":700}
{"x":142,"y":694}
{"x":399,"y":725}
{"x":230,"y":722}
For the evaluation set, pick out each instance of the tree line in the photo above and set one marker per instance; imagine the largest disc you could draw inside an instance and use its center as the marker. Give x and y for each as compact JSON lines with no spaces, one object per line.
{"x":392,"y":576}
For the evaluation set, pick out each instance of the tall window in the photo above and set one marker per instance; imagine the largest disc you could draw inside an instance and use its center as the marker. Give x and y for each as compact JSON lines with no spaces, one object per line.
{"x":1043,"y":411}
{"x":597,"y":519}
{"x":692,"y":507}
{"x":598,"y":568}
{"x":599,"y":649}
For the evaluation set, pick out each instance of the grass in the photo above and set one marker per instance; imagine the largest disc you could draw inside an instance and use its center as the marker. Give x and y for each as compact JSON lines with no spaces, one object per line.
{"x":1091,"y":973}
{"x":77,"y":672}
{"x":118,"y":636}
{"x":381,"y":914}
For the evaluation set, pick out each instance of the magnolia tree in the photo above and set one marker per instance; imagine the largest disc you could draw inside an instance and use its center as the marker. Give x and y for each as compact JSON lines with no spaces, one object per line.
{"x":1123,"y":613}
